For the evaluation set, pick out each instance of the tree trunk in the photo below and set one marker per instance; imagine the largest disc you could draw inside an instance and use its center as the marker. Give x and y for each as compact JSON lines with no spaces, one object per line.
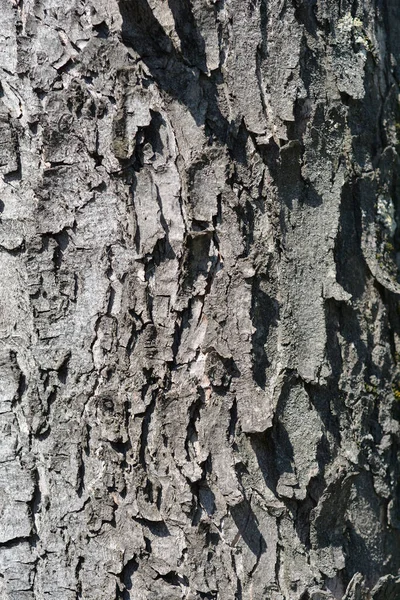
{"x":200,"y":316}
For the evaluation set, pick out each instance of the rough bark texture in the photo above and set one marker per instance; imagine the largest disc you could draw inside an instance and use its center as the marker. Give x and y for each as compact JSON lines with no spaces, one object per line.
{"x":200,"y":329}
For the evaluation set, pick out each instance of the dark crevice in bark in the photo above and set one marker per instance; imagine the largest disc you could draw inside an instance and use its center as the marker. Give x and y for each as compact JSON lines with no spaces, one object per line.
{"x":145,"y":35}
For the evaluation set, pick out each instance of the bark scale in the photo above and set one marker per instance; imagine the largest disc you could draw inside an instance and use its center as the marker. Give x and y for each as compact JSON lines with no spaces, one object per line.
{"x":200,"y":329}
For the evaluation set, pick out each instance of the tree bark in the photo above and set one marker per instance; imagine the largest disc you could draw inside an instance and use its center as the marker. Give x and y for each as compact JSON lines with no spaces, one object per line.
{"x":200,"y":324}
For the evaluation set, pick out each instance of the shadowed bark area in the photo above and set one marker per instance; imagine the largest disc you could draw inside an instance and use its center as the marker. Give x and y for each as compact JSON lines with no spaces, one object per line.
{"x":199,"y":310}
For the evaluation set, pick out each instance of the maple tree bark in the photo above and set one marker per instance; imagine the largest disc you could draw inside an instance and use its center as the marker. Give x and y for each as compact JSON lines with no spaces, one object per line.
{"x":199,"y":310}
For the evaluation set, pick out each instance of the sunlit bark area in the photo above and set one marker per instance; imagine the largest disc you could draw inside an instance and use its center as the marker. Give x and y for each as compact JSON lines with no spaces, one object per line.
{"x":199,"y":303}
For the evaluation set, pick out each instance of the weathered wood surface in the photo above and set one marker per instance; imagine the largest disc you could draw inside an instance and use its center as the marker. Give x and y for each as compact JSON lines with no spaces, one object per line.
{"x":200,"y":299}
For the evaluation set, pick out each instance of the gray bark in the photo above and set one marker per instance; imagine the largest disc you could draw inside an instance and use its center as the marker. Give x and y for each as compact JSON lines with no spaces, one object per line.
{"x":200,"y":325}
